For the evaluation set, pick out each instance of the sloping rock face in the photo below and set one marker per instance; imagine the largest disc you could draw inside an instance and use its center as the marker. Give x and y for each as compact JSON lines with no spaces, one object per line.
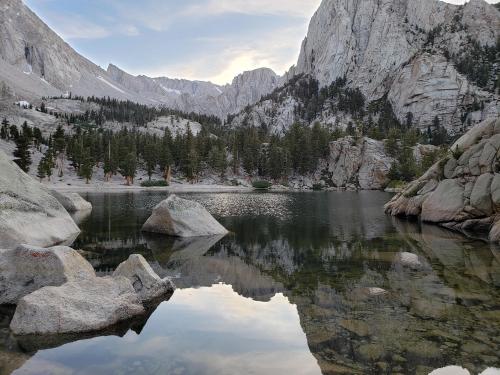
{"x":182,"y":218}
{"x":28,"y":268}
{"x":387,"y":48}
{"x":430,"y":86}
{"x":72,"y":202}
{"x":77,"y":300}
{"x":28,"y":213}
{"x":460,"y":192}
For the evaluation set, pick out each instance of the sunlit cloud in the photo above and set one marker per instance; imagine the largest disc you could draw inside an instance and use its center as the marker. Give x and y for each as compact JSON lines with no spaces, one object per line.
{"x":277,"y":50}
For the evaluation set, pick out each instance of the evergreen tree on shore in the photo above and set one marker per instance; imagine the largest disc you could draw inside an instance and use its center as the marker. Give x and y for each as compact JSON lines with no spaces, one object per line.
{"x":22,"y":153}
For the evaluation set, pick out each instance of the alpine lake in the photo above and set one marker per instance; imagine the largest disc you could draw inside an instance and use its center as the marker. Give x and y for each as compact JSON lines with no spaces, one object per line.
{"x":305,"y":283}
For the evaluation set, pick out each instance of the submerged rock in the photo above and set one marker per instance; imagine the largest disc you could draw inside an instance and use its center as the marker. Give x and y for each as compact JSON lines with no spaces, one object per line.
{"x":73,"y":299}
{"x":72,"y":202}
{"x":27,"y":269}
{"x":182,"y":218}
{"x":145,"y":281}
{"x":28,"y":213}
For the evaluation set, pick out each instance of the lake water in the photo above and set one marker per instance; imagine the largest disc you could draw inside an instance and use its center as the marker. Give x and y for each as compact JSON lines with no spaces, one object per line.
{"x":292,"y":290}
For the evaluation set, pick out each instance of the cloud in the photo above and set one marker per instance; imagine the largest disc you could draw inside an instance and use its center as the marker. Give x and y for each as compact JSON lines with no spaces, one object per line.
{"x":295,"y":8}
{"x":224,"y":57}
{"x":76,"y":27}
{"x":158,"y":15}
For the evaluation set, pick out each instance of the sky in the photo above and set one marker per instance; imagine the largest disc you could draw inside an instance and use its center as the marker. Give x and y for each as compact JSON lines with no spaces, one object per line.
{"x":212,"y":40}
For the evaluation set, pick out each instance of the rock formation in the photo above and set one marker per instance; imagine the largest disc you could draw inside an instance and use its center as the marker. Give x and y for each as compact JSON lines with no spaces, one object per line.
{"x":403,"y":49}
{"x":462,"y":191}
{"x":182,"y":218}
{"x":355,"y":164}
{"x":72,"y":202}
{"x":27,"y":269}
{"x":29,"y":214}
{"x":147,"y":284}
{"x":65,"y":295}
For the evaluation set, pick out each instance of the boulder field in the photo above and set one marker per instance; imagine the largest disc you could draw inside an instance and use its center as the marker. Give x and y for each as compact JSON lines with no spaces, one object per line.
{"x":462,"y":191}
{"x":29,"y":213}
{"x":57,"y":291}
{"x":179,"y":217}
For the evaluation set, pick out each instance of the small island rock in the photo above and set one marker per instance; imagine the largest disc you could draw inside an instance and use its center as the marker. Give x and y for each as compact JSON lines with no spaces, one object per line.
{"x":182,"y":218}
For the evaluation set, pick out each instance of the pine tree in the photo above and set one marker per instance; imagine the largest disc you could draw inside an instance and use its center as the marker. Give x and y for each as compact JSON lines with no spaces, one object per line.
{"x":22,"y":153}
{"x":59,"y":148}
{"x":129,"y":168}
{"x":409,"y":120}
{"x":14,"y":133}
{"x":165,"y":160}
{"x":150,"y":157}
{"x":392,"y":143}
{"x":87,"y":166}
{"x":3,"y":132}
{"x":48,"y":162}
{"x":41,"y":170}
{"x":37,"y":135}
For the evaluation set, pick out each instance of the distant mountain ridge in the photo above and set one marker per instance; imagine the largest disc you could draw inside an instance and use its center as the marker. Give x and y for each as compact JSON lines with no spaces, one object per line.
{"x":36,"y":62}
{"x":406,"y":51}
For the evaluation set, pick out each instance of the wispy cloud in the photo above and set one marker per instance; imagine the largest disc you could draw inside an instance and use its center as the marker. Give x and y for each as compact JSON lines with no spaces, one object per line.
{"x":295,"y":8}
{"x":159,"y":15}
{"x":77,"y":27}
{"x":226,"y":57}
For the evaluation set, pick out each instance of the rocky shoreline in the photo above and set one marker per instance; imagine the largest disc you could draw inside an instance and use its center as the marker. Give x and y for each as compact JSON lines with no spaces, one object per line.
{"x":462,"y":191}
{"x":56,"y":291}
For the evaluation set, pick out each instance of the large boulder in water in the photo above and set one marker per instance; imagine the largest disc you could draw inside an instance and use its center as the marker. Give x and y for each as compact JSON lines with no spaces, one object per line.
{"x":72,"y":202}
{"x":84,"y":302}
{"x":29,"y":214}
{"x":182,"y":218}
{"x":77,"y":306}
{"x":27,"y":269}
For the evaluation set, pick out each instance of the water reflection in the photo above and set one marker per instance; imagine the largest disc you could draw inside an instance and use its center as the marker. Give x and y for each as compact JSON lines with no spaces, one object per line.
{"x":291,"y":290}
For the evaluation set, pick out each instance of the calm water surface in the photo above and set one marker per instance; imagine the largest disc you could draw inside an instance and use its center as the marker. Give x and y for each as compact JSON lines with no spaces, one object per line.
{"x":289,"y":291}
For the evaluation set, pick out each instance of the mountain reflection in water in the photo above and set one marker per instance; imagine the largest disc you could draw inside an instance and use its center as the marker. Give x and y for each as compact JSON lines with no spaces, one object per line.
{"x":288,"y":291}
